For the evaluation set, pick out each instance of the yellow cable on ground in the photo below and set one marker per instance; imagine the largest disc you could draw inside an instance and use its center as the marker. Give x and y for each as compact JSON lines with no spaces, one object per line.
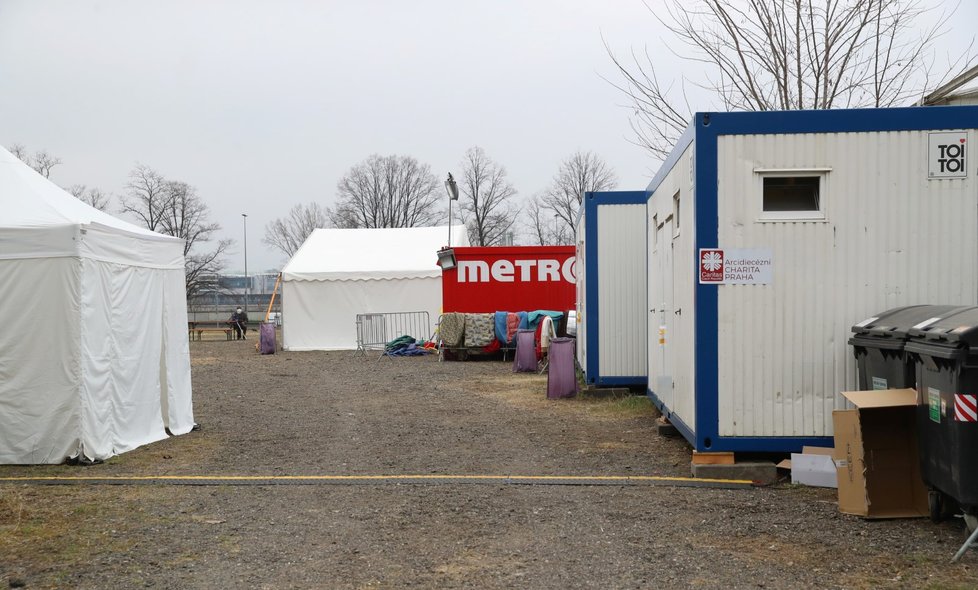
{"x":540,"y":479}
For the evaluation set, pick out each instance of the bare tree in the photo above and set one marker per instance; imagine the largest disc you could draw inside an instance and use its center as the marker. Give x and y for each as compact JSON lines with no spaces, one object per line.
{"x":580,"y":173}
{"x":174,"y":208}
{"x":541,"y":222}
{"x":185,"y":216}
{"x":387,"y":191}
{"x":41,"y":161}
{"x":288,"y":233}
{"x":786,"y":55}
{"x":147,"y":194}
{"x":485,"y":207}
{"x":90,"y":196}
{"x":20,"y":152}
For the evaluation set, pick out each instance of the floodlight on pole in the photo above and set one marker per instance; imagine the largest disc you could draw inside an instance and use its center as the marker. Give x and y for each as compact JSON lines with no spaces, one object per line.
{"x":452,"y":189}
{"x":244,"y":219}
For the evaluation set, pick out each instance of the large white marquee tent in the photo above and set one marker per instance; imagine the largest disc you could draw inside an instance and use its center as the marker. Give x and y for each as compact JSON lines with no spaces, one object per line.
{"x":339,"y":273}
{"x":95,"y":359}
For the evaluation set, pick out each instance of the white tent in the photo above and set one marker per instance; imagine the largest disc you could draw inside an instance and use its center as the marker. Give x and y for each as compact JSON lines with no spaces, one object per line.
{"x":339,"y":273}
{"x":95,"y":359}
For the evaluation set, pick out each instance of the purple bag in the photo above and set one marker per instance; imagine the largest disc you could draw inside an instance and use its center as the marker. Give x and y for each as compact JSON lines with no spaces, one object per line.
{"x":561,"y":377}
{"x":266,"y":338}
{"x":526,"y":352}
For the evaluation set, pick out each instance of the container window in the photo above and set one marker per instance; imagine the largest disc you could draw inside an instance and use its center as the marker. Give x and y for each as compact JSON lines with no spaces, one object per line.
{"x":675,"y":215}
{"x":792,"y":197}
{"x":655,"y":231}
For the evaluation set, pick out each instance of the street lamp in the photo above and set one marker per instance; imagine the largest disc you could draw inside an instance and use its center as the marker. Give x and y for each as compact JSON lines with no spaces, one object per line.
{"x":244,"y":219}
{"x":452,"y":189}
{"x":556,"y":231}
{"x":446,"y":256}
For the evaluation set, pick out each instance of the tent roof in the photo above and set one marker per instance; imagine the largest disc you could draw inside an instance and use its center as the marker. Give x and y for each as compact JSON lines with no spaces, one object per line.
{"x":371,"y":253}
{"x":39,"y":219}
{"x":29,"y":200}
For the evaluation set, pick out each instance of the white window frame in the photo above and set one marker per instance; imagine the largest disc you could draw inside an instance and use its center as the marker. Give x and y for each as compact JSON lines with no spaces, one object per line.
{"x":774,"y":216}
{"x":655,"y":232}
{"x":676,"y":217}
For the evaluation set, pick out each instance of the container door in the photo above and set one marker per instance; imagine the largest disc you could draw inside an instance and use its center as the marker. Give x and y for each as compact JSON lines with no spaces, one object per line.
{"x":661,"y":318}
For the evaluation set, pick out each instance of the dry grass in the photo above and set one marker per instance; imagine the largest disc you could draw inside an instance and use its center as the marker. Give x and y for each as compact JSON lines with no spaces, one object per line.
{"x":50,"y":526}
{"x":529,"y":391}
{"x":203,"y":361}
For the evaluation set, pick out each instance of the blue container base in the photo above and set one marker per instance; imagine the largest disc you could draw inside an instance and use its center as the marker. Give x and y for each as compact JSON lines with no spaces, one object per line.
{"x":713,"y":443}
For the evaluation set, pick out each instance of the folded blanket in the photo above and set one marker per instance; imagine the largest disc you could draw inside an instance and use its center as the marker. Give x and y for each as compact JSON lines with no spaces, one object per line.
{"x":479,"y":329}
{"x":512,"y":325}
{"x":451,"y":328}
{"x":546,"y":331}
{"x":500,"y":322}
{"x":408,"y":350}
{"x":534,"y":317}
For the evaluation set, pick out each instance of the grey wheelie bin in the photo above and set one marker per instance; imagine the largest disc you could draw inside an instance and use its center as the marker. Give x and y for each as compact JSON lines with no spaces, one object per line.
{"x":946,"y":357}
{"x":878,"y":342}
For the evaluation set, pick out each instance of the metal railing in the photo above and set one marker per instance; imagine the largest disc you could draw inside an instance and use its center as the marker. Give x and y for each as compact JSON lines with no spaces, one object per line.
{"x":375,"y":330}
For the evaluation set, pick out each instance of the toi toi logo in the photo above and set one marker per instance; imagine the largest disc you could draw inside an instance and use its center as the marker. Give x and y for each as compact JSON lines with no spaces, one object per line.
{"x":950,"y":157}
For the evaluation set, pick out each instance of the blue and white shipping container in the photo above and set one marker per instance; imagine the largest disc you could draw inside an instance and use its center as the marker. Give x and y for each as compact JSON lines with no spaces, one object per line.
{"x":611,"y":264}
{"x":771,"y":234}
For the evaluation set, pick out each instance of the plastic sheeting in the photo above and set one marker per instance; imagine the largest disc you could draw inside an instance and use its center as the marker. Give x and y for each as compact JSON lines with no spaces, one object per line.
{"x":526,"y":352}
{"x":561,"y":376}
{"x":266,"y":338}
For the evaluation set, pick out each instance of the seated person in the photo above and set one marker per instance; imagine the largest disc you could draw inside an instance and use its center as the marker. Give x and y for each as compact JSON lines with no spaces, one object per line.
{"x":239,"y":321}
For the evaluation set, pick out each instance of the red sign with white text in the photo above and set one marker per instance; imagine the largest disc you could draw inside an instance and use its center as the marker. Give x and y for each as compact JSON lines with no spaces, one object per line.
{"x":510,"y":278}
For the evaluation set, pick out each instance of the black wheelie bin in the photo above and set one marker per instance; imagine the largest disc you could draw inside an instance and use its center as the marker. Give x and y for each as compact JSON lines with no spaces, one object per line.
{"x":878,"y":342}
{"x":946,"y":357}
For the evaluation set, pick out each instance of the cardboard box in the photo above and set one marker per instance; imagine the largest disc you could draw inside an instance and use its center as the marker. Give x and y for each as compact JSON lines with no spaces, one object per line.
{"x":814,"y":466}
{"x":876,"y":455}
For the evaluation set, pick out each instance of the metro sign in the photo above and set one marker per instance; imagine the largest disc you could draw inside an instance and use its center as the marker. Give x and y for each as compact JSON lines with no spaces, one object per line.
{"x":518,"y":270}
{"x":510,"y":278}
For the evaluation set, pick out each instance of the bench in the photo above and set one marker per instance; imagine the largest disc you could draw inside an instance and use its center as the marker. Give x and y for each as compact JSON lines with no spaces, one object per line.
{"x":200,"y":332}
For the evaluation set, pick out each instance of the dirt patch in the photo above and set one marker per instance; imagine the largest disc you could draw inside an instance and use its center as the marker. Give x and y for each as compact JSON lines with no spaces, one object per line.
{"x":333,"y":413}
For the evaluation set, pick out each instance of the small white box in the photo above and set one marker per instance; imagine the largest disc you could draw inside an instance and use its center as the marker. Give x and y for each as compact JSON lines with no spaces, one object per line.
{"x":814,"y":467}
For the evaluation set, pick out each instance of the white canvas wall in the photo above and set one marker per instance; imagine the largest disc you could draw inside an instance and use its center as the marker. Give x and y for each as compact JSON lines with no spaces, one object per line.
{"x":321,"y":315}
{"x":96,"y":360}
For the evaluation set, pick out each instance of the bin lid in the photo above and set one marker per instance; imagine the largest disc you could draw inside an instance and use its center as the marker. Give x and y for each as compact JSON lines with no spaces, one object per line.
{"x":890,"y":329}
{"x":958,"y":329}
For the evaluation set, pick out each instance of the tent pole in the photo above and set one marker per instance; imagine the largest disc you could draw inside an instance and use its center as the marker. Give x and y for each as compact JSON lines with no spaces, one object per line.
{"x":272,"y":300}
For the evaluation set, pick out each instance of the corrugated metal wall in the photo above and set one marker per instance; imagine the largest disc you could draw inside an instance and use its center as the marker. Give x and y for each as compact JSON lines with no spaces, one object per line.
{"x":671,"y":284}
{"x":621,"y":280}
{"x":890,"y":237}
{"x":580,"y":272}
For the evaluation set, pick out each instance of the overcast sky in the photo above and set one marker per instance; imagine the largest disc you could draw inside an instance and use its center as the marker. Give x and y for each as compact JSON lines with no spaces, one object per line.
{"x":265,"y":105}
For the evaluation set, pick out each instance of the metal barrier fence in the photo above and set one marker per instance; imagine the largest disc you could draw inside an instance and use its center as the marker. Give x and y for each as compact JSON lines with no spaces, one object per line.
{"x":375,"y":330}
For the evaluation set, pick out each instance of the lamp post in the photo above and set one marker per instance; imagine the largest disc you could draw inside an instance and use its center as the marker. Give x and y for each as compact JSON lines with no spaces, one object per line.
{"x":244,"y":219}
{"x":452,"y":189}
{"x":556,"y":231}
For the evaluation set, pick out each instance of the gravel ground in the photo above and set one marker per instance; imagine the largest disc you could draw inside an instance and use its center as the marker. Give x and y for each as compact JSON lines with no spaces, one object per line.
{"x":334,"y":414}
